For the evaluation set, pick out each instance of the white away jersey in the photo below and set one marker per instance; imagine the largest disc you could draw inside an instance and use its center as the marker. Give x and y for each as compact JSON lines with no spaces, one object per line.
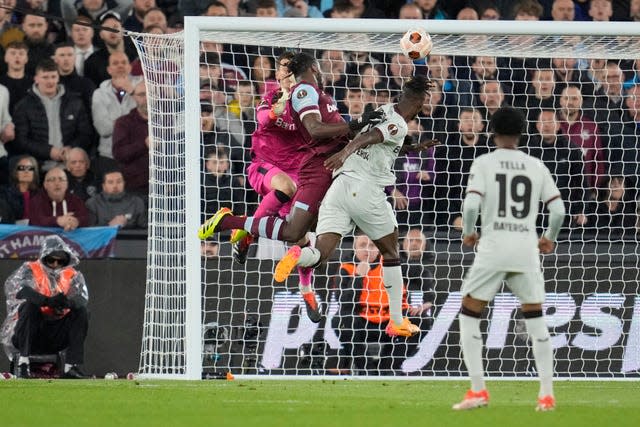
{"x":511,"y":184}
{"x":375,"y":162}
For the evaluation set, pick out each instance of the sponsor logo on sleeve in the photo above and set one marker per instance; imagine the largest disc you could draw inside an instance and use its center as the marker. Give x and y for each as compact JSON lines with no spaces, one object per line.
{"x":301,"y":93}
{"x":392,"y":128}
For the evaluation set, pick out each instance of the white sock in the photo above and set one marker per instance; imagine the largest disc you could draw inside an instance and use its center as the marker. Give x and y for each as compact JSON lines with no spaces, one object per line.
{"x":67,"y":367}
{"x":309,"y":257}
{"x":471,"y":342}
{"x":23,"y":360}
{"x":392,"y":278}
{"x":542,"y":353}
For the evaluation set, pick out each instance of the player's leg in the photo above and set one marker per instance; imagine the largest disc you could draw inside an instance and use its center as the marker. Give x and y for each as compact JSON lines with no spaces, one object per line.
{"x":529,"y":288}
{"x":479,"y":287}
{"x":276,"y":188}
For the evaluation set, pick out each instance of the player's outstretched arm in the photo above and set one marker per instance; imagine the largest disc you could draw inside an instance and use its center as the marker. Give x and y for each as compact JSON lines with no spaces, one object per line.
{"x":411,"y":145}
{"x":362,"y":140}
{"x":319,"y":130}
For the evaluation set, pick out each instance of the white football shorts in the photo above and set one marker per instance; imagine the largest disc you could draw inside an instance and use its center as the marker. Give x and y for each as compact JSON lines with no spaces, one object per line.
{"x":353,"y":202}
{"x":483,"y":283}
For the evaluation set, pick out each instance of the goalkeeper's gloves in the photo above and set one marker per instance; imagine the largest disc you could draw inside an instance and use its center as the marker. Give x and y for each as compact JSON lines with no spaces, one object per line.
{"x":367,"y":118}
{"x":278,"y":103}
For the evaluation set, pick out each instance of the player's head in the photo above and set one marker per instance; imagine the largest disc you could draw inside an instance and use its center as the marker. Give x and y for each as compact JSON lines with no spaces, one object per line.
{"x":507,"y":124}
{"x":305,"y":66}
{"x":413,"y":96}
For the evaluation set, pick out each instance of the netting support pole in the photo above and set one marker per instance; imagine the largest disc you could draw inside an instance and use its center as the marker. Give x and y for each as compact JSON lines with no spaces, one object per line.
{"x":193,"y":328}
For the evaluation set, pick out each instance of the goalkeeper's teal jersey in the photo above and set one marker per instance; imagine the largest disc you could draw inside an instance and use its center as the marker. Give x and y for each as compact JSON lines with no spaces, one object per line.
{"x":375,"y":162}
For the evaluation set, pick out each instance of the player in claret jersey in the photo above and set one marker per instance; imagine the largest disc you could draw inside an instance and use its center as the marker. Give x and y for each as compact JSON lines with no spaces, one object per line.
{"x":506,"y":186}
{"x":324,"y":132}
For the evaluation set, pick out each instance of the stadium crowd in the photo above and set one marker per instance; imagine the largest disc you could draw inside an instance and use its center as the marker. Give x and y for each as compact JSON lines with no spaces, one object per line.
{"x":87,"y":163}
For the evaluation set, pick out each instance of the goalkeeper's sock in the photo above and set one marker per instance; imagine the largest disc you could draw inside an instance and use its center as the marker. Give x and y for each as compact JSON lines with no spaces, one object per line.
{"x":305,"y":275}
{"x":542,"y":350}
{"x":392,"y":278}
{"x":23,"y":360}
{"x":471,"y":342}
{"x":271,"y":203}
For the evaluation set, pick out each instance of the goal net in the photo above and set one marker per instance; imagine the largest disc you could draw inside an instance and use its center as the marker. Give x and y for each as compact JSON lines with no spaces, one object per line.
{"x":578,"y":84}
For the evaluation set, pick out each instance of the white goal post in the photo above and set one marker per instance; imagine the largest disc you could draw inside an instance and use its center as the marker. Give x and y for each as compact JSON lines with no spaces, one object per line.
{"x":212,"y":315}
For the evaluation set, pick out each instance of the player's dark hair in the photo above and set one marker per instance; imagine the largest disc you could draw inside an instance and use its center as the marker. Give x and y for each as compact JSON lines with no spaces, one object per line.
{"x":300,"y":63}
{"x":416,"y":87}
{"x":508,"y":121}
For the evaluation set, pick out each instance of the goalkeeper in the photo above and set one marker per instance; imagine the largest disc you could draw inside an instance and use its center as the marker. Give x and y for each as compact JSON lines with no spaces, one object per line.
{"x":275,"y":156}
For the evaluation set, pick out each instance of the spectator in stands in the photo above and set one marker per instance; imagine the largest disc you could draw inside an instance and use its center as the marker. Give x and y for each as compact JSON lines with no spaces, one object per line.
{"x":262,"y":74}
{"x":363,"y":9}
{"x":96,"y":65}
{"x":93,"y":9}
{"x":457,"y":93}
{"x":483,"y":68}
{"x":155,"y":17}
{"x":400,"y":69}
{"x":211,"y":8}
{"x":82,"y":37}
{"x":67,"y":124}
{"x":563,"y":10}
{"x":266,"y":9}
{"x":341,"y":9}
{"x":583,"y":132}
{"x":430,"y":9}
{"x":540,"y":94}
{"x":55,"y":207}
{"x":136,"y":16}
{"x":369,"y":77}
{"x":634,"y":10}
{"x":467,"y":13}
{"x":364,"y":310}
{"x":491,"y":98}
{"x":334,"y":67}
{"x":7,"y":134}
{"x":220,"y":188}
{"x":490,"y":12}
{"x":65,"y":58}
{"x":565,"y":162}
{"x":112,"y":99}
{"x":9,"y":30}
{"x":432,"y":118}
{"x":631,"y":152}
{"x":16,"y":80}
{"x":286,"y":7}
{"x":409,"y":194}
{"x":114,"y":206}
{"x":527,"y":10}
{"x":417,"y":271}
{"x":600,"y":10}
{"x":35,"y":37}
{"x":46,"y":309}
{"x":352,"y":105}
{"x":453,"y":161}
{"x":616,"y":212}
{"x":131,"y":144}
{"x":82,"y":181}
{"x":410,"y":11}
{"x":25,"y":183}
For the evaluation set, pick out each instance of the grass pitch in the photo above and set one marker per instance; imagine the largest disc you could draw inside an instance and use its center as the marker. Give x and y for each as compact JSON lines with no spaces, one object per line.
{"x":324,"y":403}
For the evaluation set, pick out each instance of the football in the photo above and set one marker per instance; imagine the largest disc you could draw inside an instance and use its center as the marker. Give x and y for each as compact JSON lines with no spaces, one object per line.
{"x":416,"y":43}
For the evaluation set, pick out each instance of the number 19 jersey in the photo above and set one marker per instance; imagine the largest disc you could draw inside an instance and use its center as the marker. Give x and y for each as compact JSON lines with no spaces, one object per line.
{"x":511,"y":184}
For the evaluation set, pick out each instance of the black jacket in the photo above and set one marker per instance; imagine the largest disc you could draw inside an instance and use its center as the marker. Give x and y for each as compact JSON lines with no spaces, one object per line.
{"x":32,"y":127}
